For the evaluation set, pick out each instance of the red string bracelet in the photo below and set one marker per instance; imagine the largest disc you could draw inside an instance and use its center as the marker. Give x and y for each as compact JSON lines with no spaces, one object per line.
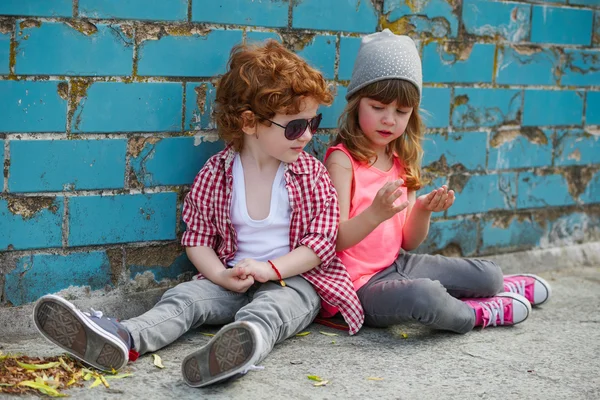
{"x":281,"y":282}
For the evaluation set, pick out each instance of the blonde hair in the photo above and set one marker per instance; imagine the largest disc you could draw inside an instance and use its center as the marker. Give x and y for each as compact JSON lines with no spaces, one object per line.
{"x":266,"y":79}
{"x":408,"y":146}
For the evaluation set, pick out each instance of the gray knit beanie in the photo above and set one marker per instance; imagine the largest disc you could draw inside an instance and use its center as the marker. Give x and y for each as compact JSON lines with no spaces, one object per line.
{"x":384,"y":55}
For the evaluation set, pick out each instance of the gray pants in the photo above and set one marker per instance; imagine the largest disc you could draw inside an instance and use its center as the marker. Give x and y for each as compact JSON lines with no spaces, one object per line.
{"x":425,"y":288}
{"x":278,"y":312}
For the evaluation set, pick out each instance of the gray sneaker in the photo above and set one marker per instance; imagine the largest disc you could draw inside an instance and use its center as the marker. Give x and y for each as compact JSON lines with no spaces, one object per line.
{"x":230,"y":353}
{"x":96,"y":340}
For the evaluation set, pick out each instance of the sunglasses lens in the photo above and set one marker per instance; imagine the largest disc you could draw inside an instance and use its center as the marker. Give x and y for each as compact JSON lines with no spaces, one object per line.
{"x":315,"y":122}
{"x":295,"y":129}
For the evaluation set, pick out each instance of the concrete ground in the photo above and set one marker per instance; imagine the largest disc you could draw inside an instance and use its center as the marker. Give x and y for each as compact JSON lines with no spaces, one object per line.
{"x":553,"y":355}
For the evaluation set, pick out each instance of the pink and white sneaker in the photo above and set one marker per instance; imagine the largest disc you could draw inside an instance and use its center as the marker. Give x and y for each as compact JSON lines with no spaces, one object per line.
{"x":534,"y":288}
{"x":502,"y":309}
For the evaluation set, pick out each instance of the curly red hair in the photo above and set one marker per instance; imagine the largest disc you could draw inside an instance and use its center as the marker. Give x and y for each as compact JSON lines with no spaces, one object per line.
{"x":265,"y":79}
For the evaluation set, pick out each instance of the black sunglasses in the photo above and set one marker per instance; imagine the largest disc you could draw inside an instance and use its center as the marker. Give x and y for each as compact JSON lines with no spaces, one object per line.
{"x":296,"y":128}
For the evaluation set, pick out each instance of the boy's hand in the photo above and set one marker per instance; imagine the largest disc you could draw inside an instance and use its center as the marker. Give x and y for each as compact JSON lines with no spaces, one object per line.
{"x":260,"y":271}
{"x":383,"y":207}
{"x":438,"y":200}
{"x":235,"y":280}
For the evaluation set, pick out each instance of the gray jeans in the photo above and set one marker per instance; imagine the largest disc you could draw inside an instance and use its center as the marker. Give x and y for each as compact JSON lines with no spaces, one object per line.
{"x":425,"y":288}
{"x":278,"y":312}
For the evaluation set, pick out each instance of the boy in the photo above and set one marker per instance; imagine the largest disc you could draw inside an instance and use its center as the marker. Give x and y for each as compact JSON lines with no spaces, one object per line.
{"x":262,"y":220}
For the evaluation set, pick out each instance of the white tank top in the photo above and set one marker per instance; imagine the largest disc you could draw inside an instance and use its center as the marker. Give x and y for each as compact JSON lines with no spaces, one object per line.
{"x":265,"y":239}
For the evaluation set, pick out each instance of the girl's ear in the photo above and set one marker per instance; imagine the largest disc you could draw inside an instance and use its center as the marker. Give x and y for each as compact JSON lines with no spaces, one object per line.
{"x":249,"y":123}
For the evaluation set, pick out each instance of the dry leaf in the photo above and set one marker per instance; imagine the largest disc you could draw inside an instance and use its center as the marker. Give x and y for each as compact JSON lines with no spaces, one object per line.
{"x":404,"y":335}
{"x":374,"y":378}
{"x":45,"y":389}
{"x":321,"y":383}
{"x":158,"y":361}
{"x":37,"y":366}
{"x":96,"y":382}
{"x":302,"y":333}
{"x":120,"y":376}
{"x":207,"y":334}
{"x":328,"y":334}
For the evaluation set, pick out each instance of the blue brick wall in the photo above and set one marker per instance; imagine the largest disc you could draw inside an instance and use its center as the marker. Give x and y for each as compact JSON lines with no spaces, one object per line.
{"x":106,"y":119}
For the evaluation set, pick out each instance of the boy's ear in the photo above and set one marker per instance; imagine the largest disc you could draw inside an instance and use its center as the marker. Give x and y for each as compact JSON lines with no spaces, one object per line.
{"x":249,"y":123}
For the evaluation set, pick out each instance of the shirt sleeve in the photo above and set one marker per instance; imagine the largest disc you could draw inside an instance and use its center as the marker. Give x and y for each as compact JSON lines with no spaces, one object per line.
{"x":322,"y":230}
{"x":198,"y":213}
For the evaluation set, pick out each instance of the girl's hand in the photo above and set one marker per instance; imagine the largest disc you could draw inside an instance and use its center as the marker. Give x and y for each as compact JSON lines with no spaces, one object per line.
{"x":438,"y":200}
{"x":383,"y":207}
{"x":260,"y":271}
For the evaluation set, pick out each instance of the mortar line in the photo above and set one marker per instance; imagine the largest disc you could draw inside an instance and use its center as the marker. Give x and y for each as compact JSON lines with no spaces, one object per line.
{"x":65,"y":222}
{"x":5,"y":166}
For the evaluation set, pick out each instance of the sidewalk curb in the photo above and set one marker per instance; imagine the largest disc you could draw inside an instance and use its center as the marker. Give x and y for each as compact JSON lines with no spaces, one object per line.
{"x":18,"y":321}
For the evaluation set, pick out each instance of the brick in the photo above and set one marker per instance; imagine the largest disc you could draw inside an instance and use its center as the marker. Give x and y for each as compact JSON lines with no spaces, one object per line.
{"x":527,"y":65}
{"x":105,"y":52}
{"x":435,"y":107}
{"x":455,"y":233}
{"x":181,"y":265}
{"x":153,"y":165}
{"x":121,"y":219}
{"x":575,"y":147}
{"x":332,"y":113}
{"x":568,"y":107}
{"x":166,"y":10}
{"x":129,"y":107}
{"x":57,"y":165}
{"x":592,"y":113}
{"x":41,"y":274}
{"x":543,"y":191}
{"x":485,"y":107}
{"x":593,"y":3}
{"x":199,"y":105}
{"x":318,"y":145}
{"x":520,"y":149}
{"x":546,"y":19}
{"x":433,"y":185}
{"x":582,"y":68}
{"x":38,"y":8}
{"x":194,"y":55}
{"x":483,"y":193}
{"x":320,"y":54}
{"x":436,"y":18}
{"x":348,"y":51}
{"x":469,"y":65}
{"x":359,"y":16}
{"x":32,"y":107}
{"x":31,"y":223}
{"x":242,"y":12}
{"x":4,"y":53}
{"x":516,"y":235}
{"x":2,"y":157}
{"x":507,"y":20}
{"x":591,"y":195}
{"x":253,"y":36}
{"x":570,"y":229}
{"x":596,"y":33}
{"x":467,"y":149}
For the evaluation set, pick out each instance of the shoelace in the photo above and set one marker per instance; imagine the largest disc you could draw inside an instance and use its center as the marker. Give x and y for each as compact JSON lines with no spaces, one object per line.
{"x":516,"y":287}
{"x":94,"y":313}
{"x":495,"y":311}
{"x":252,"y":368}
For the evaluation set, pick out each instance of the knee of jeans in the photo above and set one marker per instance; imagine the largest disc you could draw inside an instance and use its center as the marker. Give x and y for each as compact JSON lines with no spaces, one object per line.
{"x":492,"y":279}
{"x":425,"y":294}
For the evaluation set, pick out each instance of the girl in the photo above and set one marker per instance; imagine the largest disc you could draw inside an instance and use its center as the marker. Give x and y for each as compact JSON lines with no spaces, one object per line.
{"x":374,"y":166}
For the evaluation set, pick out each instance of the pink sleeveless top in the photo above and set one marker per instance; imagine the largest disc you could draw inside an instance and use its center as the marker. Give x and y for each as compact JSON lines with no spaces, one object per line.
{"x":379,"y":249}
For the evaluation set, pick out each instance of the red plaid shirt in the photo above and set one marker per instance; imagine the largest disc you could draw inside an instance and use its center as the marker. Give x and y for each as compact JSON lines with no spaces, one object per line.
{"x":314,"y":224}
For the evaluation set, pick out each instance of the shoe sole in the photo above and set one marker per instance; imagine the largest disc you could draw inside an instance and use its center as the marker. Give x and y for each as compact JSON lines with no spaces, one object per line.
{"x":67,"y":327}
{"x":543,"y":282}
{"x":520,"y":299}
{"x":227,"y":354}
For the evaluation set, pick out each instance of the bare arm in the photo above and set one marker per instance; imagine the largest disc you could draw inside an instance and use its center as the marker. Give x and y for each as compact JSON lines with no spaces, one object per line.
{"x":355,"y":229}
{"x":208,"y":264}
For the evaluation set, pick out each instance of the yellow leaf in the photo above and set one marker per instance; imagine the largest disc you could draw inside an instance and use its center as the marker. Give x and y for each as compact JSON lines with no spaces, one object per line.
{"x":321,"y":383}
{"x":314,"y":378}
{"x":7,"y":384}
{"x":374,"y":378}
{"x":158,"y":361}
{"x":64,"y":364}
{"x":121,"y":376}
{"x":104,"y":381}
{"x":87,"y":376}
{"x":404,"y":335}
{"x":207,"y":334}
{"x":302,"y":333}
{"x":96,"y":383}
{"x":38,"y":366}
{"x":333,"y":342}
{"x":45,"y":389}
{"x":327,"y":333}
